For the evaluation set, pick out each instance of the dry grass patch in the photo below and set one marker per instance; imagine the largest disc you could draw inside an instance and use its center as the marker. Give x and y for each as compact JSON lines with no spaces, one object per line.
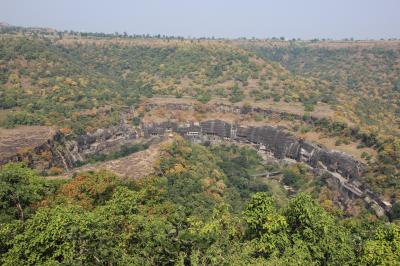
{"x":132,"y":166}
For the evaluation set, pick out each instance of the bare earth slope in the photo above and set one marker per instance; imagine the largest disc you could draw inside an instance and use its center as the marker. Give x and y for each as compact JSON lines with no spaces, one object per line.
{"x":133,"y":166}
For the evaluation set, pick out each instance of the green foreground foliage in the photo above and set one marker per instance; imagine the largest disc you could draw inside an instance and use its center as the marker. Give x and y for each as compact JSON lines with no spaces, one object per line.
{"x":201,"y":209}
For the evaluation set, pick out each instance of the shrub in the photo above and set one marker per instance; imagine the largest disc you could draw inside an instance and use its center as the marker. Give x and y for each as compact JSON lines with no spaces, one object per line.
{"x":21,"y":118}
{"x":277,"y":98}
{"x":308,"y":107}
{"x":136,"y":121}
{"x":236,"y":95}
{"x":295,"y":176}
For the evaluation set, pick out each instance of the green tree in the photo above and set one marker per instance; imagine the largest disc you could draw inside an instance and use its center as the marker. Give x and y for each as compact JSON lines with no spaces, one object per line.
{"x":19,"y":188}
{"x":136,"y":121}
{"x":267,"y":228}
{"x":68,"y":234}
{"x":236,"y":94}
{"x":383,"y":248}
{"x":217,"y":241}
{"x":397,"y":84}
{"x":295,"y":175}
{"x":7,"y":102}
{"x":327,"y":242}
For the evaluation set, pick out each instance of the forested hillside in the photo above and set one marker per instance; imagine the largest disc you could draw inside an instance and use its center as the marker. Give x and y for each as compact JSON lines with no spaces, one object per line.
{"x":364,"y":78}
{"x":65,"y":82}
{"x":93,"y":97}
{"x":81,"y":82}
{"x":87,"y":77}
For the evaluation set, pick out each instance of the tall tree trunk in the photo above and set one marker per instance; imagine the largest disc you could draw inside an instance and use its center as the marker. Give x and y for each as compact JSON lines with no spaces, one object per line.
{"x":21,"y":211}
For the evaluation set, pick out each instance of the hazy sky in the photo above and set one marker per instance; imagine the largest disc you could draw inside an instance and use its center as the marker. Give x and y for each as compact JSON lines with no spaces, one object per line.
{"x":361,"y":19}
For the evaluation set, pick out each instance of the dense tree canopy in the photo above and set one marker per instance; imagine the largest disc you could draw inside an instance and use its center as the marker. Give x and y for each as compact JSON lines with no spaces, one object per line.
{"x":183,"y":216}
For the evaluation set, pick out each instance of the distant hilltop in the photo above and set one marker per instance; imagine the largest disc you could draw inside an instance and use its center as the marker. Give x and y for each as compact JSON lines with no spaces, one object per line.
{"x":334,"y":43}
{"x":4,"y":24}
{"x":26,"y":29}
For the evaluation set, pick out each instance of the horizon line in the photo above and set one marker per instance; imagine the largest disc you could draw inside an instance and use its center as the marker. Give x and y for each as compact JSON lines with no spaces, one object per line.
{"x":4,"y":24}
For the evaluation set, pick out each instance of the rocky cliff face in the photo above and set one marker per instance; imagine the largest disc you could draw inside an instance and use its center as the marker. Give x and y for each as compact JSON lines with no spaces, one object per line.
{"x":343,"y":168}
{"x":41,"y":157}
{"x":61,"y":153}
{"x":285,"y":145}
{"x":94,"y":143}
{"x":274,"y":139}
